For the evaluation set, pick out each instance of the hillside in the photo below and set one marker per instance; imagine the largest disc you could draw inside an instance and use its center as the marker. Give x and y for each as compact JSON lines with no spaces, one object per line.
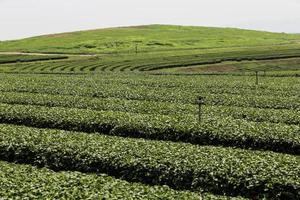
{"x":192,"y":113}
{"x":148,"y":38}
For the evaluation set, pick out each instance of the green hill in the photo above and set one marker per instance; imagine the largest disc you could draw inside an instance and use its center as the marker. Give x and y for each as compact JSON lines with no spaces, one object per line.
{"x":160,"y":48}
{"x":195,"y":113}
{"x":151,"y":38}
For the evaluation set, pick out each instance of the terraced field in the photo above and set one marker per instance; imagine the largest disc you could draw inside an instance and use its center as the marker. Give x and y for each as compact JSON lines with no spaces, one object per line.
{"x":247,"y":144}
{"x":18,"y":58}
{"x":281,"y":61}
{"x":126,"y":125}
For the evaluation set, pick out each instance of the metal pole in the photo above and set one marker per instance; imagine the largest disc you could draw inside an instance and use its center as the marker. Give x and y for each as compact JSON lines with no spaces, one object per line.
{"x":256,"y":77}
{"x":199,"y":113}
{"x":136,"y":48}
{"x":200,"y":102}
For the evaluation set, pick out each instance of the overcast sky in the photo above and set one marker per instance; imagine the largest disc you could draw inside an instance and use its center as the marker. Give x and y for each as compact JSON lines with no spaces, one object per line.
{"x":24,"y":18}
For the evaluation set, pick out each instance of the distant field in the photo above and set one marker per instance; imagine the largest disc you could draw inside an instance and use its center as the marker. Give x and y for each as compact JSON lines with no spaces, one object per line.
{"x":158,"y":47}
{"x":272,"y":64}
{"x":126,"y":121}
{"x":4,"y":59}
{"x":265,"y":67}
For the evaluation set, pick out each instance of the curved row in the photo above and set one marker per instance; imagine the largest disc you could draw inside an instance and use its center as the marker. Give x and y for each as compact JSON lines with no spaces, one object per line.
{"x":181,"y":166}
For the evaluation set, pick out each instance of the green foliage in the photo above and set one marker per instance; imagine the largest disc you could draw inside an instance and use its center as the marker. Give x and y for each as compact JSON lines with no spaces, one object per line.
{"x":158,"y":36}
{"x":27,"y":182}
{"x":28,"y":58}
{"x":158,"y":47}
{"x":179,"y":60}
{"x":149,"y":103}
{"x":166,"y":111}
{"x":214,"y":130}
{"x":219,"y":90}
{"x":180,"y":110}
{"x":273,"y":67}
{"x":182,"y":166}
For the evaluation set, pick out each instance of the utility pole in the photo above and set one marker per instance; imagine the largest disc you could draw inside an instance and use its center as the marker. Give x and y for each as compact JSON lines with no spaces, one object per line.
{"x":136,"y":45}
{"x":136,"y":48}
{"x":200,"y":102}
{"x":256,"y":74}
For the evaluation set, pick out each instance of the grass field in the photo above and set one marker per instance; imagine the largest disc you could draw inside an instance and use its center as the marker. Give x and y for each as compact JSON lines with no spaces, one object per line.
{"x":121,"y":124}
{"x":149,"y":38}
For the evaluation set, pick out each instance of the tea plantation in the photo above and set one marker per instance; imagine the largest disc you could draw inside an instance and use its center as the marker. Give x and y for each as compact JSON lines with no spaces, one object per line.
{"x":118,"y":124}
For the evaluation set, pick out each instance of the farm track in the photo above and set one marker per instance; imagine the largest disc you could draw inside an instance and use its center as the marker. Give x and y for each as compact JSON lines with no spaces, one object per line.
{"x":44,"y":54}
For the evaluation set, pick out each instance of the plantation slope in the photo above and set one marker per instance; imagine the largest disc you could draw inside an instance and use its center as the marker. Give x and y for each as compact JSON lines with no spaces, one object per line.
{"x":214,"y":131}
{"x":228,"y":171}
{"x":28,"y":182}
{"x":148,"y":38}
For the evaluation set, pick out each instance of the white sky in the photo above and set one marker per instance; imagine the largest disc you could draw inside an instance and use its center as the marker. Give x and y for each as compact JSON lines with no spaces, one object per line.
{"x":24,"y":18}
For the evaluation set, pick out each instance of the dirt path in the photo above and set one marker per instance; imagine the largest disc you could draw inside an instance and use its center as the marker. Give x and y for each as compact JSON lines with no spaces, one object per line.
{"x":46,"y":54}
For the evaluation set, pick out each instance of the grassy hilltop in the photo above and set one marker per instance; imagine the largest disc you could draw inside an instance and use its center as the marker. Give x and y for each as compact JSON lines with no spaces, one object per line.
{"x":161,"y":48}
{"x":148,"y":38}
